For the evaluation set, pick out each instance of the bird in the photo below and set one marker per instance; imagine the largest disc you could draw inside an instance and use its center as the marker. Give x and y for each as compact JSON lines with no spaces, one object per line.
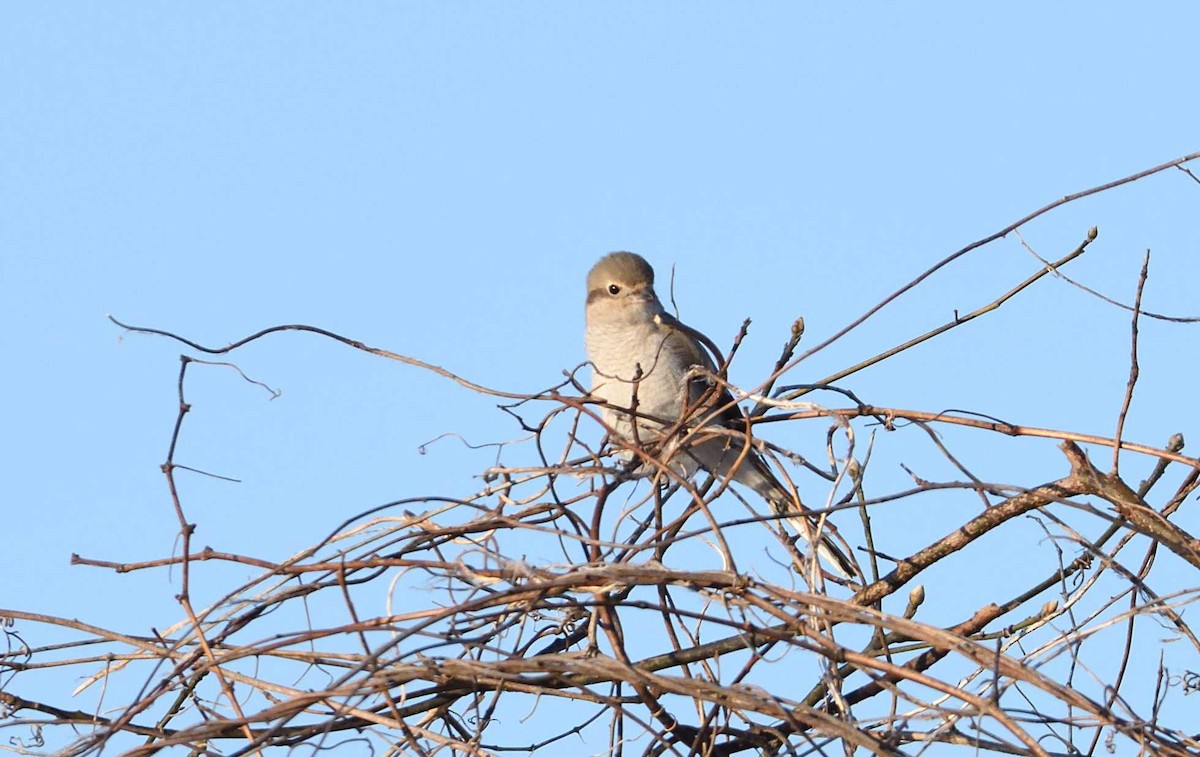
{"x":639,"y":351}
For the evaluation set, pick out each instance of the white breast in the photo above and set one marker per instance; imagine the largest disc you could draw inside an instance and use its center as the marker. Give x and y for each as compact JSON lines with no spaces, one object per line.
{"x":616,"y":354}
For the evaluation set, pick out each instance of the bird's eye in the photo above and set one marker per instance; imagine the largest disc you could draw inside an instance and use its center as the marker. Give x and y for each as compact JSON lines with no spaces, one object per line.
{"x":614,"y":290}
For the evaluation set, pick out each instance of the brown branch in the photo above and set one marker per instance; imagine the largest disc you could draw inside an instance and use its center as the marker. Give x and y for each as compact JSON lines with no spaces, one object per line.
{"x":1133,"y":364}
{"x":1103,"y":298}
{"x":980,"y":243}
{"x":1002,"y":427}
{"x":1139,"y":515}
{"x":953,"y":324}
{"x":331,"y":335}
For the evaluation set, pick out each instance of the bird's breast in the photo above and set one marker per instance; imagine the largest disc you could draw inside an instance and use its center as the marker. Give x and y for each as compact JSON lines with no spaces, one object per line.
{"x":618,"y":353}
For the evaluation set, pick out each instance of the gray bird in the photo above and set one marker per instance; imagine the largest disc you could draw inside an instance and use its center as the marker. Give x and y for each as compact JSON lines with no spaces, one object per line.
{"x":628,"y":330}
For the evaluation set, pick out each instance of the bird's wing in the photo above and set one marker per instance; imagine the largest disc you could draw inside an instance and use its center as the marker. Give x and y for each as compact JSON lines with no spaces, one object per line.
{"x":699,"y":340}
{"x":701,"y":351}
{"x":692,"y":344}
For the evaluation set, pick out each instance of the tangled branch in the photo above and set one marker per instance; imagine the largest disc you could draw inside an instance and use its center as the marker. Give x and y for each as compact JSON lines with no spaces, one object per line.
{"x":587,"y":598}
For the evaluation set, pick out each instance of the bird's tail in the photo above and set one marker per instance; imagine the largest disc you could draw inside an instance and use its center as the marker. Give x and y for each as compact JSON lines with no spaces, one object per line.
{"x":749,"y":469}
{"x":819,"y":532}
{"x":828,"y":543}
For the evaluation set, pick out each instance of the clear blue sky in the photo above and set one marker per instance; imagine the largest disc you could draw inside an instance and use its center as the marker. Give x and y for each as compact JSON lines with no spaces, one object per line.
{"x":436,"y":179}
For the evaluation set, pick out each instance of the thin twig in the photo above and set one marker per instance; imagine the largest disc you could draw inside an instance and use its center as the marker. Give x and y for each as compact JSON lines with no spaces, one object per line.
{"x":1133,"y":364}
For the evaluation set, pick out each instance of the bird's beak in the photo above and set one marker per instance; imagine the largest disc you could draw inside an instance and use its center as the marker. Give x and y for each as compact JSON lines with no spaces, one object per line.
{"x":644,"y":295}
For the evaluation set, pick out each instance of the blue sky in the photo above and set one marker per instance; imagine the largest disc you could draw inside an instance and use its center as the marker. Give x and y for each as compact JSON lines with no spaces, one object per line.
{"x":436,"y":179}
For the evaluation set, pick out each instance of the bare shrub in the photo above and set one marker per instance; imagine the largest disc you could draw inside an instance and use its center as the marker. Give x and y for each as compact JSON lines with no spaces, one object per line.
{"x":574,"y":605}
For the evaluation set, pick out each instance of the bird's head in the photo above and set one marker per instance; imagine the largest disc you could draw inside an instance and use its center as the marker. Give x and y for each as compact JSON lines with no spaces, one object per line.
{"x":620,"y":288}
